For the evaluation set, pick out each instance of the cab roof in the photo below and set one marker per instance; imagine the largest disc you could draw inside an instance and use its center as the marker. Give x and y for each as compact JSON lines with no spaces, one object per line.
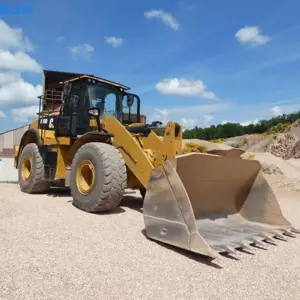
{"x":68,"y":77}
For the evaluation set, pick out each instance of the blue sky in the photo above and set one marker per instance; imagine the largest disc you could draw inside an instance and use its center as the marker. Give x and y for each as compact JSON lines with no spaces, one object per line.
{"x":195,"y":62}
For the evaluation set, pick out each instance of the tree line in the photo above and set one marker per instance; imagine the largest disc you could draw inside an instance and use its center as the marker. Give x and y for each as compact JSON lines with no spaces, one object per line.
{"x":227,"y":130}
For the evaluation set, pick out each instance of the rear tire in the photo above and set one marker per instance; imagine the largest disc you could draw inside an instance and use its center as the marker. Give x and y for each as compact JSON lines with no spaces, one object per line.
{"x":98,"y":177}
{"x":31,"y":170}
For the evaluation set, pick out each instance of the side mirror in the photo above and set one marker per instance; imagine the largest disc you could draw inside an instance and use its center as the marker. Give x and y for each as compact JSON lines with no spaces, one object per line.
{"x":94,"y":112}
{"x":129,"y":100}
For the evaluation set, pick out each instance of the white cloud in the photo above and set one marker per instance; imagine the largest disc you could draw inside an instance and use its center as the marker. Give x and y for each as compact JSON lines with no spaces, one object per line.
{"x":190,"y":123}
{"x":114,"y":41}
{"x":13,"y":89}
{"x":202,"y":121}
{"x":8,"y":77}
{"x":2,"y":114}
{"x":188,"y":116}
{"x":19,"y":61}
{"x":287,"y":109}
{"x":208,"y":118}
{"x":276,"y":111}
{"x":82,"y":51}
{"x":165,"y":17}
{"x":225,"y":122}
{"x":251,"y":35}
{"x":184,"y":88}
{"x":25,"y":114}
{"x":246,"y":123}
{"x":13,"y":39}
{"x":13,"y":45}
{"x":249,"y":122}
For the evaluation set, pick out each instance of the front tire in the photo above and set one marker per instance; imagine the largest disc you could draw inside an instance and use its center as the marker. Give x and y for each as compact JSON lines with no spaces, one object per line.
{"x":98,"y":177}
{"x":31,"y":170}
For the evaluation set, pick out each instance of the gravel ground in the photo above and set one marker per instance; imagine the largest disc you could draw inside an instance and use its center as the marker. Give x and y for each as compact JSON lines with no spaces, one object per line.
{"x":51,"y":250}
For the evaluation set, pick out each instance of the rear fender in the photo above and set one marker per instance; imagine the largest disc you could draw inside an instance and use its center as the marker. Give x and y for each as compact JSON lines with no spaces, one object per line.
{"x":30,"y":136}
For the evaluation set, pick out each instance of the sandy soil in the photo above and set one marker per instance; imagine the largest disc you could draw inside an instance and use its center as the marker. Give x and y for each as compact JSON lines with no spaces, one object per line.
{"x":51,"y":250}
{"x":295,"y":163}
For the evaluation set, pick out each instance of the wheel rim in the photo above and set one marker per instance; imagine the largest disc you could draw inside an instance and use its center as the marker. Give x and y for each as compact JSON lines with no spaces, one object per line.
{"x":26,"y":168}
{"x":85,"y":177}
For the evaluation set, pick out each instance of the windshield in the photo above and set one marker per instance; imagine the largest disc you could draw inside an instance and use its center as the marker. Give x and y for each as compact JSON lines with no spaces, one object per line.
{"x":104,"y":98}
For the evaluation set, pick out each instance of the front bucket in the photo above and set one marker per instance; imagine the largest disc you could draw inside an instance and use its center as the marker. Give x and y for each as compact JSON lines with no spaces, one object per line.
{"x":208,"y":204}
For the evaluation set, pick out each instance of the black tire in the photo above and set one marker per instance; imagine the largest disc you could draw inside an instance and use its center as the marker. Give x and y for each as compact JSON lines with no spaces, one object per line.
{"x":110,"y":175}
{"x":35,"y":183}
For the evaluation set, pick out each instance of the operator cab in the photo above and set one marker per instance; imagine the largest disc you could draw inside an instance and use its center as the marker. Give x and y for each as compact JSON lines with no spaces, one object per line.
{"x":87,"y":97}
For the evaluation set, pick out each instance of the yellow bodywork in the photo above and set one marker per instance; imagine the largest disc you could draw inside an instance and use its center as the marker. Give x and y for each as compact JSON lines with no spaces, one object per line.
{"x":141,"y":154}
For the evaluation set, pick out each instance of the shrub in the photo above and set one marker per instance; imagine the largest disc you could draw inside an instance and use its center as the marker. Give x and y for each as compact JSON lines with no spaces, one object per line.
{"x":250,"y":156}
{"x":217,"y":141}
{"x":279,"y":128}
{"x":191,"y":147}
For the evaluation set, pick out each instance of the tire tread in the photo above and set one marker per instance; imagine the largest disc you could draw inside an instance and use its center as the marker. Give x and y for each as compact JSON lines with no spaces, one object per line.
{"x":39,"y":183}
{"x":115,"y":176}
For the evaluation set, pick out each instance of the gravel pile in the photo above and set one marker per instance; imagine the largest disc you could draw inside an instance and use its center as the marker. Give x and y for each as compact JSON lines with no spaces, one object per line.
{"x":283,"y":145}
{"x":51,"y":250}
{"x":271,"y":169}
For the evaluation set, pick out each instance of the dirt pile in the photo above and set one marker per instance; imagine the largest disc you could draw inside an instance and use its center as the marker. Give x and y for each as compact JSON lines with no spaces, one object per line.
{"x":284,"y":145}
{"x":247,"y":142}
{"x":296,"y":124}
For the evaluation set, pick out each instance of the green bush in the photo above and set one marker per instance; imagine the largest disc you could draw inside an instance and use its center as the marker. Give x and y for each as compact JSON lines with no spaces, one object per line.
{"x":250,"y":156}
{"x":213,"y":133}
{"x":217,"y":141}
{"x":191,"y":147}
{"x":279,"y":128}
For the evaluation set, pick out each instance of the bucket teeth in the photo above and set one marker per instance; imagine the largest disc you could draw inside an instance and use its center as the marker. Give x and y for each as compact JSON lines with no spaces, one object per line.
{"x":295,"y":230}
{"x":289,"y":233}
{"x":279,"y":236}
{"x":268,"y":239}
{"x":245,"y":246}
{"x":229,"y":249}
{"x":257,"y":242}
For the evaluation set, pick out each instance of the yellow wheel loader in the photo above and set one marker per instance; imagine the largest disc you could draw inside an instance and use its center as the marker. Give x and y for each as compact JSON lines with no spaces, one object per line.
{"x":97,"y":145}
